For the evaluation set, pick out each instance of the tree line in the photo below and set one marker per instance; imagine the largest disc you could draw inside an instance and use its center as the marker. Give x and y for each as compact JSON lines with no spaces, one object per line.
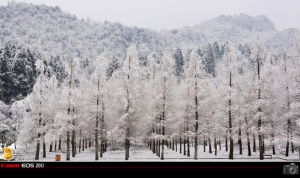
{"x":247,"y":103}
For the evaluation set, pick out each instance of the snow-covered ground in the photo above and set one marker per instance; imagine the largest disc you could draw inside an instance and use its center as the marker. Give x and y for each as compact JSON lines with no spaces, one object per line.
{"x":147,"y":155}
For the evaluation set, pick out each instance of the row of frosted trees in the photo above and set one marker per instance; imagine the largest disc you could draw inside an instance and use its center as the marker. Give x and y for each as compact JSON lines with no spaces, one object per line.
{"x":255,"y":97}
{"x":252,"y":102}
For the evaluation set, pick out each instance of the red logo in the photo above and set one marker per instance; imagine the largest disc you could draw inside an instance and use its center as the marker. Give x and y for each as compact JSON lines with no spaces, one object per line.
{"x":4,"y":165}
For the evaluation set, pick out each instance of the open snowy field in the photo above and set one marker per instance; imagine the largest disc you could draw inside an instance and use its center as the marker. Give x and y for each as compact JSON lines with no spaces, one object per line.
{"x":146,"y":155}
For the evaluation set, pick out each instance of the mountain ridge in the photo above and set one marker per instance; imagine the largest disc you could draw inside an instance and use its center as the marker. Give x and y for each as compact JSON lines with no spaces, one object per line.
{"x":53,"y":31}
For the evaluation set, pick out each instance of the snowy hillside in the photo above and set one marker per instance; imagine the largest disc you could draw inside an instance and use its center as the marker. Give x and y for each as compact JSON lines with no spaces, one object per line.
{"x":50,"y":30}
{"x":238,"y":28}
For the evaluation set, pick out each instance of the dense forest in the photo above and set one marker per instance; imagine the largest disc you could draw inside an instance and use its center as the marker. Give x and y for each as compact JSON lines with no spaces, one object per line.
{"x":248,"y":105}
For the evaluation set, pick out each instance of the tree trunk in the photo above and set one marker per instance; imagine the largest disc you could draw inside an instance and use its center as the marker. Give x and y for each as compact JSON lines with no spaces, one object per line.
{"x":180,"y":145}
{"x":292,"y":143}
{"x":163,"y":133}
{"x":162,"y":149}
{"x":37,"y":152}
{"x":68,"y":145}
{"x":127,"y":140}
{"x":173,"y":144}
{"x":254,"y":143}
{"x":263,"y":145}
{"x":287,"y":149}
{"x":240,"y":141}
{"x":79,"y":146}
{"x":86,"y":143}
{"x":157,"y":147}
{"x":83,"y":144}
{"x":153,"y":145}
{"x":44,"y":149}
{"x":215,"y":145}
{"x":150,"y":144}
{"x":248,"y":139}
{"x":96,"y":139}
{"x":105,"y":145}
{"x":287,"y":138}
{"x":50,"y":147}
{"x":73,"y":143}
{"x":196,"y":148}
{"x":230,"y":133}
{"x":75,"y":146}
{"x":231,"y":148}
{"x":204,"y":145}
{"x":176,"y":144}
{"x":128,"y":148}
{"x":159,"y":143}
{"x":209,"y":145}
{"x":2,"y":140}
{"x":59,"y":143}
{"x":188,"y":146}
{"x":55,"y":146}
{"x":248,"y":144}
{"x":273,"y":149}
{"x":260,"y":141}
{"x":184,"y":148}
{"x":101,"y":148}
{"x":226,"y":142}
{"x":127,"y":145}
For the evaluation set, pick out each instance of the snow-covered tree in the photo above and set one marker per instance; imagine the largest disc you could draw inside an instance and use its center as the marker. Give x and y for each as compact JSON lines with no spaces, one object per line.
{"x":35,"y":120}
{"x":194,"y":72}
{"x":129,"y":81}
{"x":97,"y":106}
{"x":227,"y":78}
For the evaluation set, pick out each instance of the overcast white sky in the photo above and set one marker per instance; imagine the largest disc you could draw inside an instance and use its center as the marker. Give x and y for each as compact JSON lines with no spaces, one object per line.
{"x":168,"y":14}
